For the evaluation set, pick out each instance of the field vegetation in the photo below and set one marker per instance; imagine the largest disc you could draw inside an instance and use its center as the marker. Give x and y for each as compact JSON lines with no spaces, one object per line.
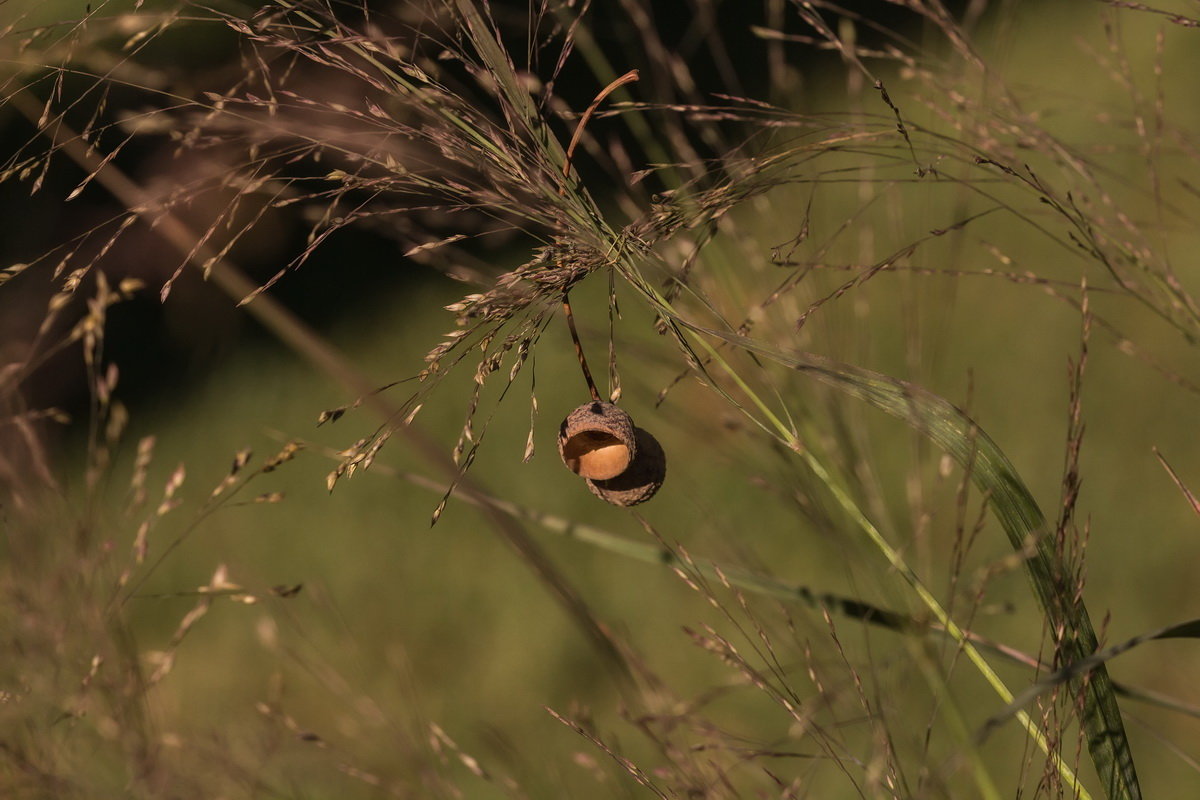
{"x":294,"y":298}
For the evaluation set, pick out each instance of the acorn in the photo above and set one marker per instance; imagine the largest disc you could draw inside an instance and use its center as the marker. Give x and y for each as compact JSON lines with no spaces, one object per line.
{"x":623,"y":464}
{"x":640,"y":480}
{"x":596,"y":441}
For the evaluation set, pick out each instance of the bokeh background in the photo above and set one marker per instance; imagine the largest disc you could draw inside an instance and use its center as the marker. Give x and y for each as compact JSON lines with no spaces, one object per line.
{"x":405,"y":642}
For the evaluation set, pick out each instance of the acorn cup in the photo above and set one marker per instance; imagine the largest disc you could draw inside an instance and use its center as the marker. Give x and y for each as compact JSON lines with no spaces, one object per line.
{"x":623,"y":464}
{"x":596,"y":441}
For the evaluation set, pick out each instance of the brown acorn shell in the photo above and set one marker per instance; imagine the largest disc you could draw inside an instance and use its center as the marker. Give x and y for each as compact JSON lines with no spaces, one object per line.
{"x":641,"y":480}
{"x":597,"y":441}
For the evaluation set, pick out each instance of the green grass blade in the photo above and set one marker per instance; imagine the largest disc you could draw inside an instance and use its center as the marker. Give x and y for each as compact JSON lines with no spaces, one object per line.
{"x":1019,"y":515}
{"x":1077,"y":669}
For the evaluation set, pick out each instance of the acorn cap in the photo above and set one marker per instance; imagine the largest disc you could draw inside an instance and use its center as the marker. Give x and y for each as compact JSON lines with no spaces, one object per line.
{"x":597,"y":441}
{"x":641,"y":480}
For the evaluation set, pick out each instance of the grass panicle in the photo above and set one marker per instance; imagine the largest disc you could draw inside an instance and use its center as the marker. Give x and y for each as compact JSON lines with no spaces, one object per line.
{"x":784,"y":243}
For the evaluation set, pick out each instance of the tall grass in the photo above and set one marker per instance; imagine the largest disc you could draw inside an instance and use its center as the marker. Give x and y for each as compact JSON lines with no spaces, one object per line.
{"x":763,"y":269}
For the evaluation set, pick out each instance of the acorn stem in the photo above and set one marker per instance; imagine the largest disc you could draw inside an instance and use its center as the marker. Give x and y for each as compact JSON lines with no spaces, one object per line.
{"x":587,"y":373}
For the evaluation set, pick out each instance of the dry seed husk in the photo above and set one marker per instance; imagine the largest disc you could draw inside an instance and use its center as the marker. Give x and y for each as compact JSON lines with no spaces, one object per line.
{"x":597,"y":441}
{"x":641,"y":480}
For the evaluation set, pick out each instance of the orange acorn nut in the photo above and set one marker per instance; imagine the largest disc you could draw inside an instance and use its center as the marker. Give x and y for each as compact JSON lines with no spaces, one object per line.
{"x":597,"y":441}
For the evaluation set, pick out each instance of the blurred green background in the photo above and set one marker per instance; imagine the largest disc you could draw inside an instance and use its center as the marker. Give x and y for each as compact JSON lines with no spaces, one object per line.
{"x":400,"y":627}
